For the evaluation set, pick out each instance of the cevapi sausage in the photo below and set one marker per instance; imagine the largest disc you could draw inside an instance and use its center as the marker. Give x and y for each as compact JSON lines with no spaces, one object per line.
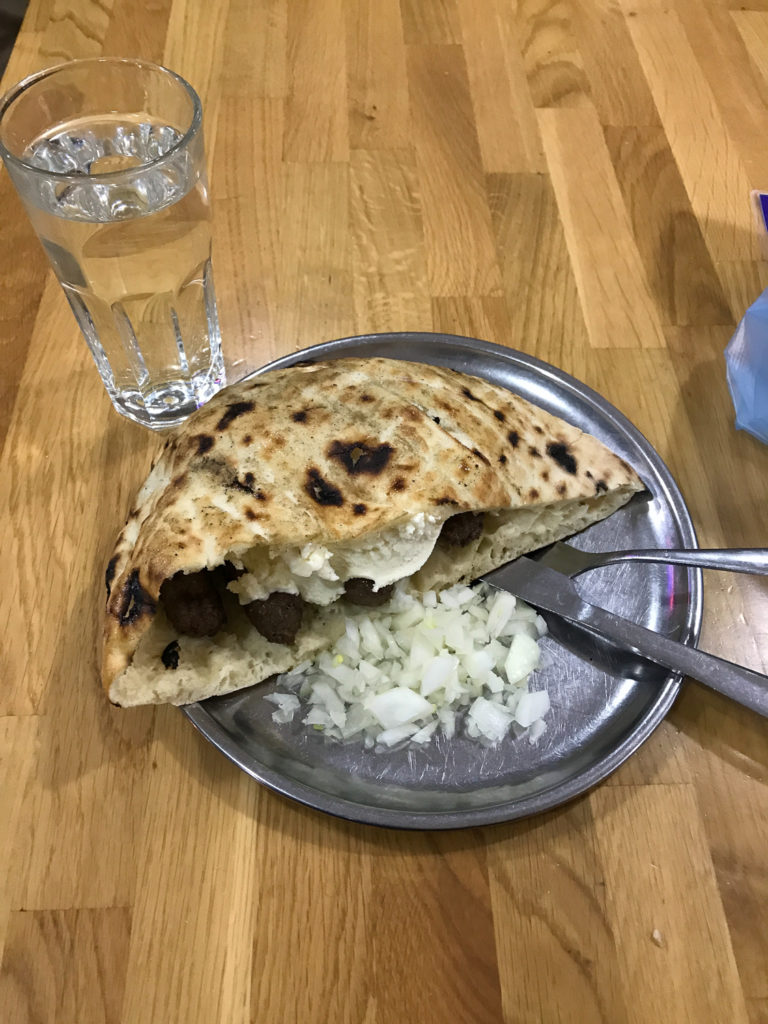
{"x":360,"y":591}
{"x":463,"y":528}
{"x":278,"y":617}
{"x":192,"y":603}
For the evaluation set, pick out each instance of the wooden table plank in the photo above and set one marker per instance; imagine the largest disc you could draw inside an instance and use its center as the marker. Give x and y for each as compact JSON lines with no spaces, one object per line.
{"x":83,"y":952}
{"x":461,"y":256}
{"x":651,"y":843}
{"x":618,"y":308}
{"x":201,"y":893}
{"x":557,"y":951}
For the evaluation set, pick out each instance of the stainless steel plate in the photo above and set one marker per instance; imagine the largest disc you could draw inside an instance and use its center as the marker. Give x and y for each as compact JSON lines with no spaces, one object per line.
{"x":605,"y":703}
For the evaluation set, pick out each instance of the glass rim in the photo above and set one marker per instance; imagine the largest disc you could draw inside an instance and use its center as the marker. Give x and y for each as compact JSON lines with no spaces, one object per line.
{"x":12,"y":94}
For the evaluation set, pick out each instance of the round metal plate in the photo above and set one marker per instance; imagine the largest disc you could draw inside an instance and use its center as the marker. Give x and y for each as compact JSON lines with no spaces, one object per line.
{"x":605,"y":702}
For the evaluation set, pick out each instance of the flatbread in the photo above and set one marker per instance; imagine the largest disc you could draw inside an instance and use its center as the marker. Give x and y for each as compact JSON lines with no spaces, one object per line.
{"x":331,"y":452}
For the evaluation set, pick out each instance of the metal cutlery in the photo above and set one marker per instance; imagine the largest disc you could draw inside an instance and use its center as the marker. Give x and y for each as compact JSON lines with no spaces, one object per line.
{"x":552,"y":591}
{"x":572,"y":561}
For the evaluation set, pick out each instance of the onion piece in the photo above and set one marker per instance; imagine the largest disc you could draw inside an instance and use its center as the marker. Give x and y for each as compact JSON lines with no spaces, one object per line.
{"x":531,"y":707}
{"x":437,"y":673}
{"x":522,"y":659}
{"x":490,"y":719}
{"x":287,"y":706}
{"x":398,"y":706}
{"x":389,"y":737}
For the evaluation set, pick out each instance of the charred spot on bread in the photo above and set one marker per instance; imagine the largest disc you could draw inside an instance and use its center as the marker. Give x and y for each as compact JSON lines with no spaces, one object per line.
{"x":560,"y":453}
{"x":246,"y":484}
{"x":204,"y":443}
{"x":233,"y":411}
{"x":109,"y":575}
{"x":170,"y":655}
{"x":398,"y":484}
{"x":503,"y":459}
{"x":483,"y":458}
{"x":134,"y":601}
{"x":534,"y":452}
{"x":360,"y":457}
{"x":300,"y":416}
{"x":514,"y":438}
{"x":499,"y":415}
{"x":320,"y":490}
{"x":360,"y":509}
{"x":468,"y":394}
{"x":600,"y":486}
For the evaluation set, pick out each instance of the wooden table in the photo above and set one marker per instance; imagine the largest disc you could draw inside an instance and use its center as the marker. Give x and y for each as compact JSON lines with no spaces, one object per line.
{"x":571,"y":179}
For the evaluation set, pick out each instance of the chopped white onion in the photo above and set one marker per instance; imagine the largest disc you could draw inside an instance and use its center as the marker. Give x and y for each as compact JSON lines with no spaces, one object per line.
{"x":500,"y":612}
{"x":531,"y":707}
{"x":425,"y":734}
{"x":287,"y":706}
{"x":522,"y":659}
{"x":491,"y":720}
{"x":437,"y":673}
{"x":397,"y":706}
{"x":389,"y":737}
{"x":416,"y":668}
{"x":537,"y":730}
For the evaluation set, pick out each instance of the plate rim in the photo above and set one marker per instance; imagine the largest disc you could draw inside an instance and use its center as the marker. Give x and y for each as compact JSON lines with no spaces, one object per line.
{"x":568,"y":790}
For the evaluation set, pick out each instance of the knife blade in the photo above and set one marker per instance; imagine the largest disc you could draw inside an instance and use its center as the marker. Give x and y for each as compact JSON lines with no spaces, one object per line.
{"x":552,"y":591}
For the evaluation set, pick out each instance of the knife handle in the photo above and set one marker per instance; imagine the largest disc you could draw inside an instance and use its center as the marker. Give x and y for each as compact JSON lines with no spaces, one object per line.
{"x":740,"y":684}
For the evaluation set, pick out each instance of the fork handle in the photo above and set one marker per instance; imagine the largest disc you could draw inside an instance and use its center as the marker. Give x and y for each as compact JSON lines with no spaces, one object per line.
{"x":753,"y":560}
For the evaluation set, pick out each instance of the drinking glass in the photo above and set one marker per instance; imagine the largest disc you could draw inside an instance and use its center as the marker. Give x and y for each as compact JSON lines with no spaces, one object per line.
{"x":108,"y":158}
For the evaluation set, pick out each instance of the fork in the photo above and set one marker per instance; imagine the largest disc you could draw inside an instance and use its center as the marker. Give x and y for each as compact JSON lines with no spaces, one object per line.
{"x":572,"y":561}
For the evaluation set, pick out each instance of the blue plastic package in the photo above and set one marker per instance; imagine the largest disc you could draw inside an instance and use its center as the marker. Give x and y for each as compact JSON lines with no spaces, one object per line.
{"x":746,"y":360}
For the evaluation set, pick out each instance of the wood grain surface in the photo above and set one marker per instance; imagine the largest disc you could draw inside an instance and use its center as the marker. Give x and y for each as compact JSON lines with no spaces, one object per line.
{"x":567,"y":177}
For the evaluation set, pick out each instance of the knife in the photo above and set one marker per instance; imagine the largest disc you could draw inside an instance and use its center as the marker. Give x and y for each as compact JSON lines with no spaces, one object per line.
{"x":552,"y":591}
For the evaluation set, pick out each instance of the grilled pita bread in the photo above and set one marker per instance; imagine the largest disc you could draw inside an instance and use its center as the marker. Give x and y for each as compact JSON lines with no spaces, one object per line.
{"x":334,"y":453}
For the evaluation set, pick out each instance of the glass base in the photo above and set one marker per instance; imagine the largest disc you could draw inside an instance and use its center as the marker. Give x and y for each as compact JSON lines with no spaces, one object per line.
{"x":171,"y":403}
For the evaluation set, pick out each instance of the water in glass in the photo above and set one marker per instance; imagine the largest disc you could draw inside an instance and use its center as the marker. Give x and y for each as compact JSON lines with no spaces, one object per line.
{"x":133,"y":255}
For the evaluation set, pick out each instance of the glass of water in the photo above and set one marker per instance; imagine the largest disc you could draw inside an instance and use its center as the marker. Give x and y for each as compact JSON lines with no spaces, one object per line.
{"x":108,"y":157}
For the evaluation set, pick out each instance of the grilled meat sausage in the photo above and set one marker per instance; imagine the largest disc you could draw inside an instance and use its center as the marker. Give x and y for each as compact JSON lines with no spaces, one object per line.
{"x":360,"y":591}
{"x":192,"y":603}
{"x":460,"y":529}
{"x":277,"y":617}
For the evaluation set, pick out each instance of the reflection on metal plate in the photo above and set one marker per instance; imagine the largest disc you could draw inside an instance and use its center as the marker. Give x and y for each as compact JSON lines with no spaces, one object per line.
{"x":605,"y":702}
